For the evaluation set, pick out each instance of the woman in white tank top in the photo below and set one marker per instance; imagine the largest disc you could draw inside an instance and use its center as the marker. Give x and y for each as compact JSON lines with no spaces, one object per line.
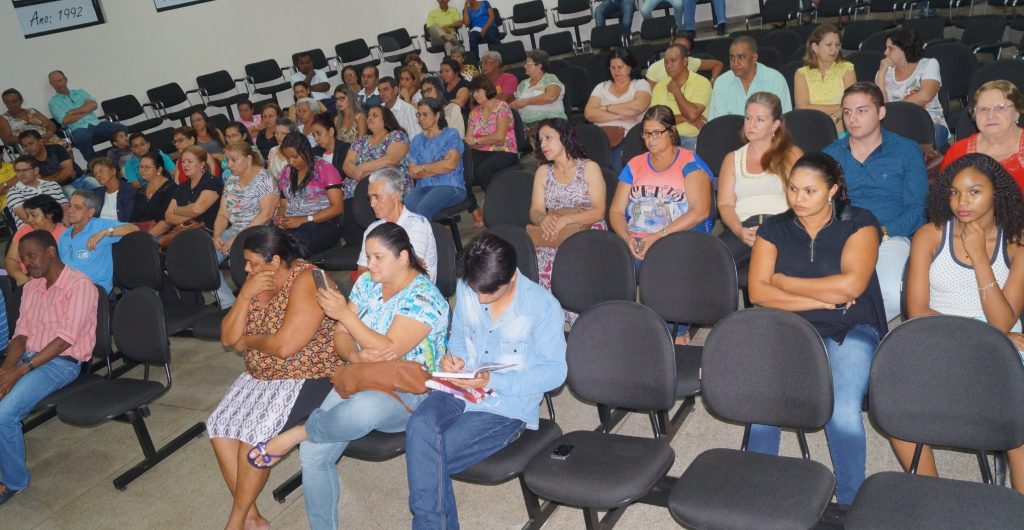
{"x":969,"y":262}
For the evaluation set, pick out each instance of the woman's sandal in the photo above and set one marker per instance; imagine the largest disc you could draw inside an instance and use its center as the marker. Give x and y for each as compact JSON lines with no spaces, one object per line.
{"x":263,"y":460}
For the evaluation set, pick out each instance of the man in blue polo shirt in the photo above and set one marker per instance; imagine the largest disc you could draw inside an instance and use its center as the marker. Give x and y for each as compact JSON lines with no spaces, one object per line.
{"x":746,"y":76}
{"x":86,"y":244}
{"x":75,"y":110}
{"x":885,"y":173}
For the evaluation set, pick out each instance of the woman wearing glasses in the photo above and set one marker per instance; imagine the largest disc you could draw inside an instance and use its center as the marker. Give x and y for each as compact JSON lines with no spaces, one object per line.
{"x":997,"y":109}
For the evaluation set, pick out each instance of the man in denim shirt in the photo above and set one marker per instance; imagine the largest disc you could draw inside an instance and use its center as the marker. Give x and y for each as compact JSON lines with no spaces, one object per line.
{"x":885,"y":173}
{"x":500,"y":316}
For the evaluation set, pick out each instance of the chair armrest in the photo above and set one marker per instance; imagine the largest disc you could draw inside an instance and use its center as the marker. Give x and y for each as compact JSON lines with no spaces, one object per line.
{"x":992,"y":47}
{"x":245,"y":83}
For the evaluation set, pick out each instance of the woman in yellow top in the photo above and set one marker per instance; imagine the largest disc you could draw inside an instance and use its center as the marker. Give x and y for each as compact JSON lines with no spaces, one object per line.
{"x":820,"y":83}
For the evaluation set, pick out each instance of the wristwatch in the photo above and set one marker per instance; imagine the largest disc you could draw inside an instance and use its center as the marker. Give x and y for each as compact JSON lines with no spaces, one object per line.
{"x":309,"y":218}
{"x":110,"y":231}
{"x":30,"y":365}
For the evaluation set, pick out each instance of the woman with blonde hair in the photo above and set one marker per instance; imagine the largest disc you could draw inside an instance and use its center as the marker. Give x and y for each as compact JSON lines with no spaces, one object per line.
{"x":751,"y":183}
{"x":350,"y":123}
{"x":820,"y":83}
{"x":409,"y":84}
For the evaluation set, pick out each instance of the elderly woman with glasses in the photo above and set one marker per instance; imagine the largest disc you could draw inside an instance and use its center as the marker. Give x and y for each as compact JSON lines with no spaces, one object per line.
{"x":997,"y":109}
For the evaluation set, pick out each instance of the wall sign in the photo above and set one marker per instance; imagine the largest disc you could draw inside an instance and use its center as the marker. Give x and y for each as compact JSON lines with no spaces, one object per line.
{"x":164,"y":5}
{"x":43,"y":17}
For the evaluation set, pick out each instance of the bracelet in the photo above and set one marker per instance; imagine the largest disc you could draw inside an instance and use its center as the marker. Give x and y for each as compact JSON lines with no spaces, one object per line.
{"x":984,"y":289}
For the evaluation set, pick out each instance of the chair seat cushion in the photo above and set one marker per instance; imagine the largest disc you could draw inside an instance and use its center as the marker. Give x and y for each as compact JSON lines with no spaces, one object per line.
{"x":726,"y":488}
{"x":377,"y":446}
{"x":603,"y":471}
{"x":340,"y":258}
{"x":688,"y":360}
{"x":573,"y":22}
{"x":107,"y":400}
{"x":510,"y":461}
{"x":452,"y":211}
{"x":51,"y":401}
{"x":270,"y":90}
{"x":901,"y":500}
{"x":208,"y":327}
{"x":179,"y":318}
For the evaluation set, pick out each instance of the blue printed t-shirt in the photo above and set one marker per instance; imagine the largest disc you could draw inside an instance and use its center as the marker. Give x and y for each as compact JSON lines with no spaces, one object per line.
{"x":131,"y":169}
{"x":425,"y":150}
{"x":478,"y":17}
{"x":97,"y":264}
{"x":656,"y":198}
{"x":420,"y":301}
{"x":60,"y":105}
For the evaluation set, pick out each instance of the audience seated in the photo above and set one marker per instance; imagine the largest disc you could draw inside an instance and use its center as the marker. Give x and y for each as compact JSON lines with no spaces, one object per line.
{"x":435,"y":163}
{"x":490,"y":133}
{"x":300,"y":91}
{"x":509,"y":319}
{"x":350,"y":123}
{"x":195,"y":202}
{"x":75,"y":111}
{"x":265,"y":138}
{"x":752,"y":181}
{"x":350,"y":78}
{"x":55,"y":333}
{"x":686,"y":13}
{"x":456,"y":88}
{"x":316,"y":80}
{"x":621,"y":9}
{"x":818,"y":260}
{"x":276,"y":160}
{"x":385,"y":191}
{"x":85,"y":245}
{"x":656,"y":71}
{"x":404,"y":112}
{"x":386,"y":145}
{"x":235,"y":131}
{"x":482,"y":23}
{"x":431,"y":87}
{"x":29,"y":185}
{"x":140,"y":145}
{"x":997,"y":109}
{"x":746,"y":77}
{"x":907,"y":75}
{"x":305,"y":111}
{"x":820,"y":82}
{"x":185,"y":137}
{"x":368,"y":96}
{"x":116,"y":198}
{"x":55,"y":164}
{"x":18,"y":119}
{"x":328,"y":147}
{"x":119,"y":151}
{"x":44,"y":213}
{"x":443,"y":26}
{"x":568,"y":193}
{"x":311,"y":198}
{"x":393,"y":312}
{"x":504,"y":82}
{"x":413,"y":60}
{"x":409,"y":79}
{"x":976,"y":206}
{"x":288,"y":346}
{"x":898,"y":199}
{"x":153,"y":198}
{"x":466,"y":70}
{"x":688,"y":95}
{"x":248,"y":118}
{"x":208,"y":137}
{"x":617,"y":105}
{"x":250,"y":197}
{"x":539,"y":96}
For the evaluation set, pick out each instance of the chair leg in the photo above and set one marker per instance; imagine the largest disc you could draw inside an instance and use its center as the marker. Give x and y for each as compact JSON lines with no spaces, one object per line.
{"x":38,"y":419}
{"x":287,"y":487}
{"x":539,"y":512}
{"x":153,"y":456}
{"x":999,"y":461}
{"x":595,"y":522}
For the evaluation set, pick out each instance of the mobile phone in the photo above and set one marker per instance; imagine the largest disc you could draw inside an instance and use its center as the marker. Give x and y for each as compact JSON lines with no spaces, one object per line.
{"x":639,"y":246}
{"x":562,"y":452}
{"x":320,"y":278}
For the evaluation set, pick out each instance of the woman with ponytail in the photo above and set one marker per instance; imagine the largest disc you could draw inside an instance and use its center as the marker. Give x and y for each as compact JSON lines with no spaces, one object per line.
{"x":435,"y":162}
{"x":751,"y":184}
{"x":818,"y":260}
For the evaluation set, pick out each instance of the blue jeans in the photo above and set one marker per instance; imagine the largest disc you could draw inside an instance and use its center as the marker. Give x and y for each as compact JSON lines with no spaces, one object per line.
{"x":428,"y":201}
{"x":851,"y":363}
{"x":85,"y":182}
{"x":330,"y":429}
{"x":688,"y":142}
{"x":18,"y":403}
{"x":441,"y":440}
{"x":612,"y":8}
{"x":690,"y":13}
{"x":225,"y":298}
{"x":83,"y":136}
{"x":647,"y":9}
{"x":892,"y":259}
{"x":491,"y":38}
{"x":941,"y":137}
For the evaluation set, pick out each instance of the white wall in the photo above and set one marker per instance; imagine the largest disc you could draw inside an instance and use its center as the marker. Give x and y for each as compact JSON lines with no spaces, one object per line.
{"x":139,"y":48}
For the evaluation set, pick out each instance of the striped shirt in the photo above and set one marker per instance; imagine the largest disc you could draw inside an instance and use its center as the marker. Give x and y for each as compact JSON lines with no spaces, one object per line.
{"x":66,"y":310}
{"x":21,"y":193}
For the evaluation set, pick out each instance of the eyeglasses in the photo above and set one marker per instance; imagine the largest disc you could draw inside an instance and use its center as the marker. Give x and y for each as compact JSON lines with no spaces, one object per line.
{"x":146,"y":167}
{"x":24,"y":171}
{"x":424,"y":114}
{"x":652,"y":135}
{"x":340,"y":98}
{"x":177,"y":141}
{"x":995,"y":109}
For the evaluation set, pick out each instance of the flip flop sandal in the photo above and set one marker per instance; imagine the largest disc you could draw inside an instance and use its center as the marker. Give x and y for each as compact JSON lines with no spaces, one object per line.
{"x":263,"y":460}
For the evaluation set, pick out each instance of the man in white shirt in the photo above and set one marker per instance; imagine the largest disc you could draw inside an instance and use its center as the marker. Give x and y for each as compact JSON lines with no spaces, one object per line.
{"x":385,"y":193}
{"x":316,"y":80}
{"x":404,"y":112}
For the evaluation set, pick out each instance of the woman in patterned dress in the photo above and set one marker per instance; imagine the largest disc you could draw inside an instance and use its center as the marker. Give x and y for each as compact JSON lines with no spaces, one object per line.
{"x":288,"y":345}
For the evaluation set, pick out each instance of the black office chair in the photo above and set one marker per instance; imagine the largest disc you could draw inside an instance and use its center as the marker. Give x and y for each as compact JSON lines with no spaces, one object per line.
{"x":786,"y":41}
{"x":191,"y":263}
{"x":909,"y":120}
{"x":577,"y":89}
{"x":170,"y":96}
{"x":267,"y":78}
{"x":396,"y":44}
{"x":591,"y":267}
{"x":928,"y":29}
{"x":125,"y":108}
{"x":874,"y":42}
{"x":508,"y":199}
{"x":811,"y":129}
{"x":595,"y":143}
{"x":775,"y":12}
{"x":757,"y":364}
{"x":957,"y":63}
{"x":221,"y":86}
{"x":718,"y":138}
{"x":320,"y":61}
{"x":141,"y":337}
{"x":719,"y":49}
{"x":606,"y":37}
{"x":136,"y":259}
{"x":1011,"y":70}
{"x":857,"y":31}
{"x":559,"y":43}
{"x":236,"y":258}
{"x":865,"y":64}
{"x":769,"y":57}
{"x":446,"y":276}
{"x":658,"y":31}
{"x":162,"y":139}
{"x":974,"y":406}
{"x":788,"y":71}
{"x":344,"y":257}
{"x":526,"y":253}
{"x":633,"y":145}
{"x":528,"y":18}
{"x":356,"y":53}
{"x":452,"y":215}
{"x":573,"y":14}
{"x":512,"y":52}
{"x":620,"y":355}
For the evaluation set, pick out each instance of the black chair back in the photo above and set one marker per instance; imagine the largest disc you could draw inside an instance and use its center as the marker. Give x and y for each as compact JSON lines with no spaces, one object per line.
{"x":811,"y":129}
{"x":122,"y":108}
{"x":798,"y":55}
{"x":719,"y":49}
{"x":102,"y":350}
{"x":11,"y":305}
{"x":162,"y":139}
{"x":591,"y":267}
{"x":526,"y":253}
{"x":595,"y":143}
{"x":167,"y":96}
{"x":355,"y":52}
{"x":619,"y":354}
{"x":611,"y":184}
{"x":191,"y":262}
{"x":216,"y":83}
{"x":767,"y":366}
{"x":657,"y":28}
{"x":395,"y":44}
{"x":644,"y":54}
{"x":779,"y":10}
{"x":909,"y":120}
{"x":1011,"y":70}
{"x":264,"y":71}
{"x":689,"y":277}
{"x":559,"y":43}
{"x":928,"y":29}
{"x":361,"y":208}
{"x":136,"y":260}
{"x":320,"y":61}
{"x":957,"y":64}
{"x":718,"y":138}
{"x":875,"y":42}
{"x":606,"y":37}
{"x":983,"y":29}
{"x":788,"y":71}
{"x":522,"y":142}
{"x":770,"y":57}
{"x":865,"y":64}
{"x":922,"y":390}
{"x":512,"y":52}
{"x":446,"y":276}
{"x":139,"y":330}
{"x":858,"y":30}
{"x":577,"y":82}
{"x":633,"y":145}
{"x":965,"y":126}
{"x":786,"y":41}
{"x":236,"y":257}
{"x":508,"y":199}
{"x":527,"y":12}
